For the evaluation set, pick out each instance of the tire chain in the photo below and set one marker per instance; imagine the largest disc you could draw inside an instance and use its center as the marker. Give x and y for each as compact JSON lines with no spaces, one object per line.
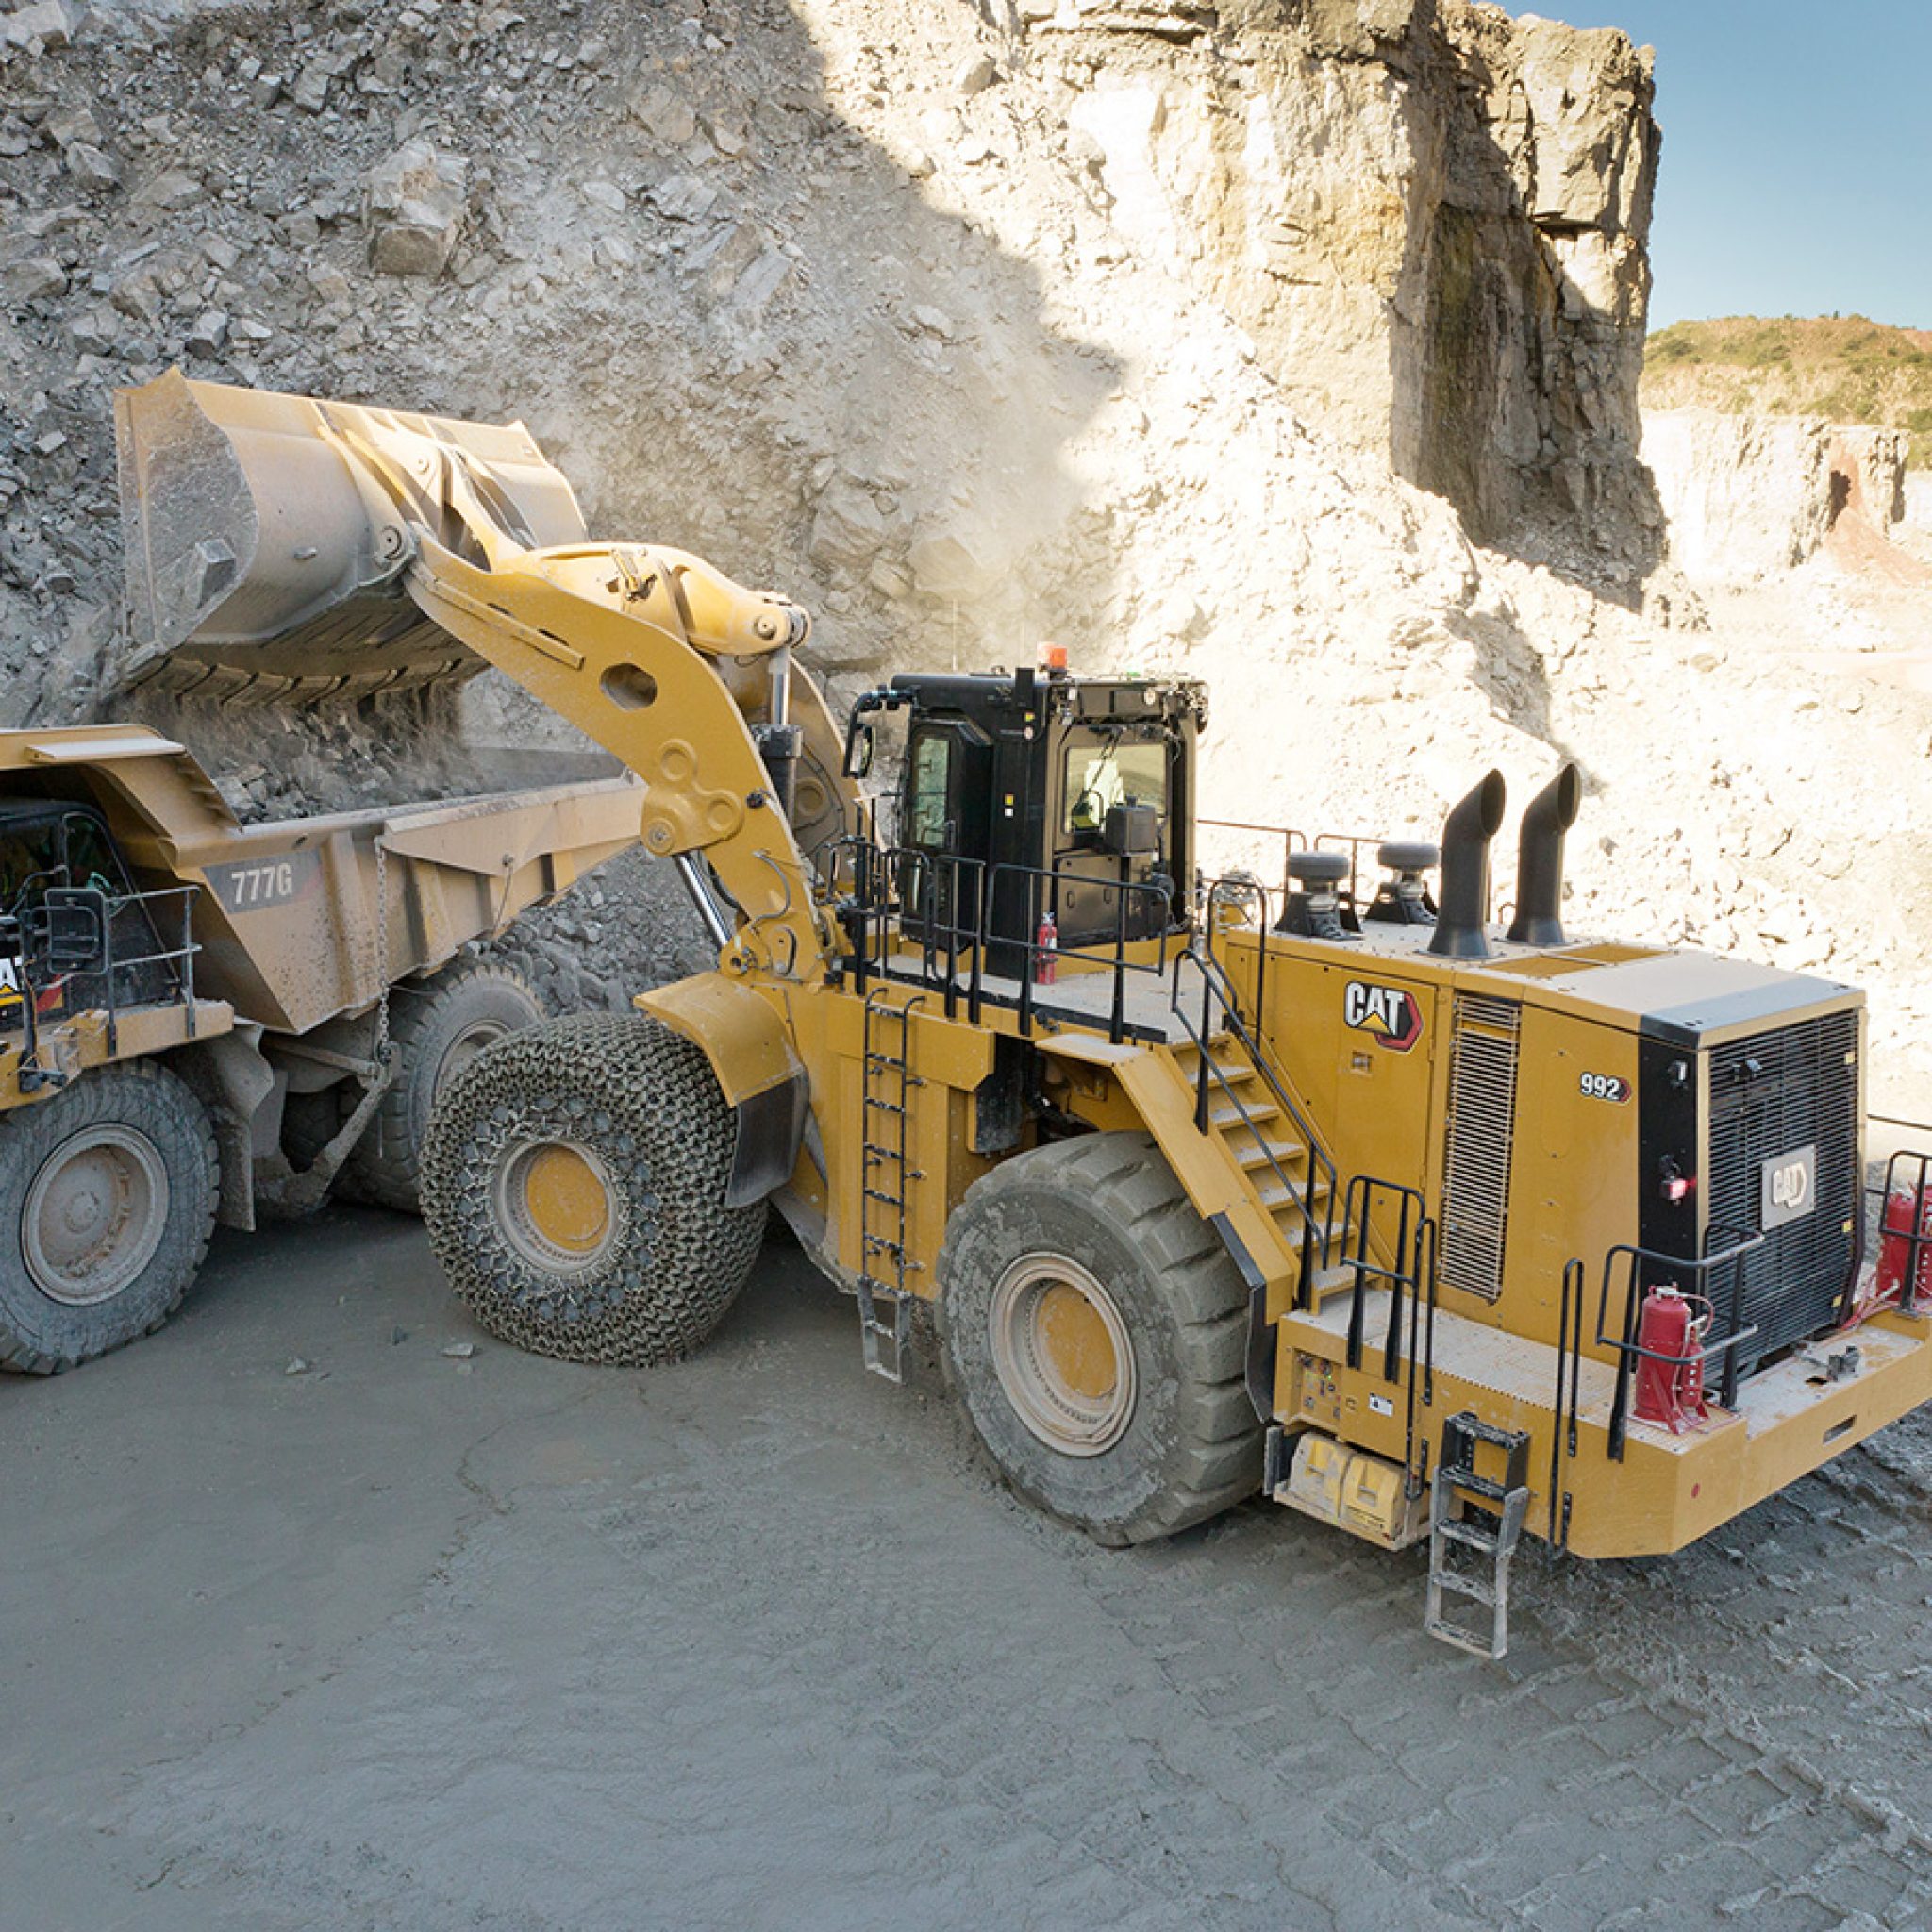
{"x":646,"y":1101}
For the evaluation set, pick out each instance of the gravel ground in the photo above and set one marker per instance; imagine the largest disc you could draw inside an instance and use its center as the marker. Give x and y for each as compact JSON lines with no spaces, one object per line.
{"x":413,"y":1640}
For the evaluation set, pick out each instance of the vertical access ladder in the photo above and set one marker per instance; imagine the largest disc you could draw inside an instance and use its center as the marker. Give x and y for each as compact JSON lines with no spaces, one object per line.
{"x":1489,"y":1530}
{"x":887,"y":1174}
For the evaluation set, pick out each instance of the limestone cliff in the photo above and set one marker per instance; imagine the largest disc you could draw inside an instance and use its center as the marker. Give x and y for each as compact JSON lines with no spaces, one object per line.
{"x":1432,"y":218}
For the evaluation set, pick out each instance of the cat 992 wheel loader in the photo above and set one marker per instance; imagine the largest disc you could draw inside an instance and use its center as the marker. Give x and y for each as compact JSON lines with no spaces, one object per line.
{"x":1334,"y":1193}
{"x":199,"y":1018}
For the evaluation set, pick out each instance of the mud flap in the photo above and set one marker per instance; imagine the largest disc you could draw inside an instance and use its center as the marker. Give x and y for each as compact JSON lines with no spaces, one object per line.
{"x":771,"y":1133}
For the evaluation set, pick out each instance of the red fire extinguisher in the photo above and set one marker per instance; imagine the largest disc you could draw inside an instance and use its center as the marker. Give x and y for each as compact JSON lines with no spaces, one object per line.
{"x":1669,"y":1373}
{"x":1046,"y":952}
{"x":1902,"y":1214}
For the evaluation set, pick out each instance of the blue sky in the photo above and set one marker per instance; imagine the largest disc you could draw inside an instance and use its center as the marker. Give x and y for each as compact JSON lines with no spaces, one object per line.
{"x":1797,"y":157}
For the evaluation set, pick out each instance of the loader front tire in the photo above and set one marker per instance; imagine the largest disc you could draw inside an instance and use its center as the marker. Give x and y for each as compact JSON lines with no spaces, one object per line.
{"x":435,"y":1029}
{"x":107,"y":1197}
{"x":573,"y":1184}
{"x":1097,"y":1331}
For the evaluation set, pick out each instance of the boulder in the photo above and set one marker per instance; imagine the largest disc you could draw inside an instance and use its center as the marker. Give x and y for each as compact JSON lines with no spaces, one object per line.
{"x":412,"y":207}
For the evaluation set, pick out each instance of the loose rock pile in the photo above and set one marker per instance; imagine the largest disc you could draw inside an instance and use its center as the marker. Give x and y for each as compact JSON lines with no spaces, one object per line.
{"x":967,"y":330}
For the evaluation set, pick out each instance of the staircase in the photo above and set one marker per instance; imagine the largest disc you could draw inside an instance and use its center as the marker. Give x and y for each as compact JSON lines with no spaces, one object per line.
{"x":1293,"y":1186}
{"x":888,"y":1176}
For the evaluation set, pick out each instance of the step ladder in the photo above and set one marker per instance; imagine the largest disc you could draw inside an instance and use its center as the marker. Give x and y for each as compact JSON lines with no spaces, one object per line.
{"x":1475,"y":1522}
{"x":887,"y":1174}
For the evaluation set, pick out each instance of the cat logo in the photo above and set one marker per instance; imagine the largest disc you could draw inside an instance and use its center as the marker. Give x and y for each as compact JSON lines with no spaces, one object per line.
{"x":1788,"y":1187}
{"x":1386,"y":1011}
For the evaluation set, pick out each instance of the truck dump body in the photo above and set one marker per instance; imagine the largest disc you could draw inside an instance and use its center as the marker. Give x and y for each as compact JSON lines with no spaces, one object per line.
{"x":301,"y":921}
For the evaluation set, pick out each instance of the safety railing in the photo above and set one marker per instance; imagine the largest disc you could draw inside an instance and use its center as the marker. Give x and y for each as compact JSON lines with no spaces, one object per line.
{"x":1645,"y":1268}
{"x":1220,"y":1013}
{"x":902,"y":892}
{"x":1908,"y":1248}
{"x":69,"y":941}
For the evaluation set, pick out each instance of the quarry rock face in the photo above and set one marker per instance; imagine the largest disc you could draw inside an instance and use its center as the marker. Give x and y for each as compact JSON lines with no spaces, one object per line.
{"x":1288,"y":344}
{"x":1433,"y":220}
{"x":1746,"y":495}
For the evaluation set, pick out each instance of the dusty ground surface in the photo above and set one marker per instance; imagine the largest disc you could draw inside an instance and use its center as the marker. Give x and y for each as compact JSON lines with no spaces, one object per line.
{"x":408,"y":1639}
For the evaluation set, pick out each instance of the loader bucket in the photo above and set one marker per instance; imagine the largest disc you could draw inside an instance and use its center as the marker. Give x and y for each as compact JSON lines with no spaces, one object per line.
{"x":266,"y":537}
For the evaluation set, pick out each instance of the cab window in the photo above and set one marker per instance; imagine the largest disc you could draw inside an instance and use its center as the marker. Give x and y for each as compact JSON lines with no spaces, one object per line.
{"x":927,"y":800}
{"x":1115,"y":771}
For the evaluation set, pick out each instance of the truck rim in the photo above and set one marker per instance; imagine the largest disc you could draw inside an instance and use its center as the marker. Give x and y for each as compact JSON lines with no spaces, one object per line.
{"x":1062,"y":1355}
{"x":95,"y":1215}
{"x":462,"y":1050}
{"x":555,"y":1203}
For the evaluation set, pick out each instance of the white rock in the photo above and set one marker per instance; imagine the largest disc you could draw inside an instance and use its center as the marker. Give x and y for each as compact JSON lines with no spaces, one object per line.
{"x":173,"y":189}
{"x":92,"y":167}
{"x":975,"y":74}
{"x":413,"y":206}
{"x":53,"y":22}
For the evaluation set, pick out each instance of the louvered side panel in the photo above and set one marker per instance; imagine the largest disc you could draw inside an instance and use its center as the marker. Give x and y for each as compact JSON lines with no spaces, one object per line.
{"x":1482,"y":1129}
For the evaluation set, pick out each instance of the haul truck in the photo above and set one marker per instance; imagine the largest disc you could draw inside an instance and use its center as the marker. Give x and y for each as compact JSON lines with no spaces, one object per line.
{"x":1335,"y":1193}
{"x":199,"y":1019}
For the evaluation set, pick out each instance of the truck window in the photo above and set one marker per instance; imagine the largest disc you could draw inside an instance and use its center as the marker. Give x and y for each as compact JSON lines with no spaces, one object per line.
{"x":1115,"y":771}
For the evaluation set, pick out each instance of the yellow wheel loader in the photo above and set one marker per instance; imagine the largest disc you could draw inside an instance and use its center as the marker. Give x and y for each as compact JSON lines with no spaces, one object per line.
{"x":199,"y":1018}
{"x":1330,"y":1192}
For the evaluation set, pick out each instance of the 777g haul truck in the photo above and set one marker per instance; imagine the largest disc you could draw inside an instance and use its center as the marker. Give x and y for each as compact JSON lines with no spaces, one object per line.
{"x":199,"y":1018}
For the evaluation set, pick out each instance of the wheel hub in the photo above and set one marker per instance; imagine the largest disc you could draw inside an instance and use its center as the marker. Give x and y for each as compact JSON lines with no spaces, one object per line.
{"x":95,"y":1215}
{"x":554,"y":1202}
{"x":1061,"y":1352}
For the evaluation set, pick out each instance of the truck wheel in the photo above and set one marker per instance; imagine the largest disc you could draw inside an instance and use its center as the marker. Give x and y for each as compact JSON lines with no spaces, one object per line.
{"x":108,"y":1196}
{"x":1097,"y":1331}
{"x":574,"y":1183}
{"x":437,"y":1029}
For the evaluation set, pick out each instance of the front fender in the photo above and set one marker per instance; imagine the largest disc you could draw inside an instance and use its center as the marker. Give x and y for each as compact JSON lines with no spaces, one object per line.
{"x":749,"y":1047}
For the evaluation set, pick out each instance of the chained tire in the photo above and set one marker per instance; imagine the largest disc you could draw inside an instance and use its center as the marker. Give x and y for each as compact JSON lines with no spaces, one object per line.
{"x":108,"y":1198}
{"x":437,"y":1027}
{"x":1097,"y":1331}
{"x":573,"y":1184}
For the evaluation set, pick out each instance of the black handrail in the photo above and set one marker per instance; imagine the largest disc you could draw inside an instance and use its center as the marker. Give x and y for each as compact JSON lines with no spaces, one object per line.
{"x":1917,"y":1239}
{"x":1569,"y":1397}
{"x":889,"y":878}
{"x":1231,"y":1001}
{"x":1723,"y":1349}
{"x":1317,"y":1234}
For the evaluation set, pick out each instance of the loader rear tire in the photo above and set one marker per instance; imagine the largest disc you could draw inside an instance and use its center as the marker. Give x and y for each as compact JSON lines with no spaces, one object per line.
{"x":572,"y":1183}
{"x":107,"y":1197}
{"x":437,"y":1028}
{"x":1097,"y":1332}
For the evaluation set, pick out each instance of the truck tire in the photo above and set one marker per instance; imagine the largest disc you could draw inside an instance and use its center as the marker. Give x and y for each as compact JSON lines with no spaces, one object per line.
{"x":1097,"y":1332}
{"x":437,"y":1029}
{"x":108,"y":1196}
{"x":574,"y":1181}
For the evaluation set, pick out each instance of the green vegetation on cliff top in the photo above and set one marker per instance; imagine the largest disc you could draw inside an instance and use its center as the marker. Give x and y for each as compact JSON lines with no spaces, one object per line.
{"x":1843,"y":368}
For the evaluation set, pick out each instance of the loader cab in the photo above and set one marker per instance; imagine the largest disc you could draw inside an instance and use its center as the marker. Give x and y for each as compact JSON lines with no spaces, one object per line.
{"x":1031,"y":792}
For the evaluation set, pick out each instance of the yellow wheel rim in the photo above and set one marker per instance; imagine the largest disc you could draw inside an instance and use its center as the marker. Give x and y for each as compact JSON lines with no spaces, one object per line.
{"x":556,"y":1203}
{"x":1062,"y":1354}
{"x":1073,"y":1344}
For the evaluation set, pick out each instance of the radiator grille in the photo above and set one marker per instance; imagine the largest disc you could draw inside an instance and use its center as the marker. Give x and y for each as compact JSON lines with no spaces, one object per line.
{"x":1770,"y":1094}
{"x":1482,"y":1123}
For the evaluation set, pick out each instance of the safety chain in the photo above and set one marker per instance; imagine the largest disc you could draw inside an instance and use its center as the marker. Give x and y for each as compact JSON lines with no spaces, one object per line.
{"x":382,"y":1040}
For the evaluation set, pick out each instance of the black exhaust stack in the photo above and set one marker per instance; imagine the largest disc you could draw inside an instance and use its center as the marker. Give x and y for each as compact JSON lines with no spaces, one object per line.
{"x":1538,"y":919}
{"x":1464,"y":907}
